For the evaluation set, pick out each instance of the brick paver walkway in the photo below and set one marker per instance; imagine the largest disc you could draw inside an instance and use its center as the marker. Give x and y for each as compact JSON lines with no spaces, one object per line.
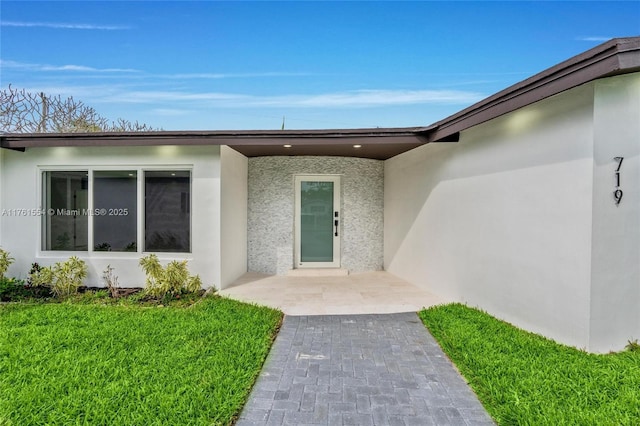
{"x":379,"y":369}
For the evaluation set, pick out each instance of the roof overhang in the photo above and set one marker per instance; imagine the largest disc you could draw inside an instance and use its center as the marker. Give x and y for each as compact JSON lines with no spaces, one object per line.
{"x":366,"y":143}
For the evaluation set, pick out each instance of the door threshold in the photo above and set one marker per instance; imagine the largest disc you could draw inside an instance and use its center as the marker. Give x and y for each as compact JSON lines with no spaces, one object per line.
{"x":318,"y":272}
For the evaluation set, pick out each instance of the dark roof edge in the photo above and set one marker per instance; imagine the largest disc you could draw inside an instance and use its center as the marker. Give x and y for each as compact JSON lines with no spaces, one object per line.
{"x":204,"y":137}
{"x":614,"y":57}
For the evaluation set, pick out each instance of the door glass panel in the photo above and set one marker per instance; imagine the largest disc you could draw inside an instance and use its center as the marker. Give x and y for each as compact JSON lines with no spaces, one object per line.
{"x":316,"y":221}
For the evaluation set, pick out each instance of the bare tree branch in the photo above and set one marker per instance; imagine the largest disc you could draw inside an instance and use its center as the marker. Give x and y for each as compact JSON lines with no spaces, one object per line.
{"x":26,"y":112}
{"x":122,"y":125}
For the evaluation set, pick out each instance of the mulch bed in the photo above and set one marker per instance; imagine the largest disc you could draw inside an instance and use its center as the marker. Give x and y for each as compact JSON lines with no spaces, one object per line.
{"x":119,"y":292}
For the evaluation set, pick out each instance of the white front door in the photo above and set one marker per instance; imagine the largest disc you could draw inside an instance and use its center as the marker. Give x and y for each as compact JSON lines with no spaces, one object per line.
{"x":317,"y":221}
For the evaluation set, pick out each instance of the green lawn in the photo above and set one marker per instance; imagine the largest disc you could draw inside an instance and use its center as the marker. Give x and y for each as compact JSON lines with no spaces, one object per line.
{"x":75,"y":364}
{"x":525,"y":379}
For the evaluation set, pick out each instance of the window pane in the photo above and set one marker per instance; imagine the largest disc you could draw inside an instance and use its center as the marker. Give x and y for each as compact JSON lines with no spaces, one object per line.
{"x":167,"y":211}
{"x":65,"y":200}
{"x":115,"y":211}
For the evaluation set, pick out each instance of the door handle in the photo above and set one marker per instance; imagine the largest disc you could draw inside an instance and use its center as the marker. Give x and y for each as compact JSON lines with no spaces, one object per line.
{"x":335,"y":222}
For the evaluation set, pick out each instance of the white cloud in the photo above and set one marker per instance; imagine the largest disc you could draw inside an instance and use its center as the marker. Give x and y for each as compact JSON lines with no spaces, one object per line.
{"x":350,"y":99}
{"x":231,"y":75}
{"x":184,"y":76}
{"x":63,"y":25}
{"x":71,"y":67}
{"x":191,"y":109}
{"x":172,"y":102}
{"x":369,"y":98}
{"x":594,"y":38}
{"x":65,"y":68}
{"x":84,"y":68}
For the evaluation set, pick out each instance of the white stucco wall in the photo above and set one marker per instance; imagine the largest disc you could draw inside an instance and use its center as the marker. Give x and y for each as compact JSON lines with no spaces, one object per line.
{"x":21,"y":182}
{"x":615,"y":298}
{"x":502,"y":219}
{"x":1,"y":191}
{"x":233,"y":213}
{"x":519,"y":218}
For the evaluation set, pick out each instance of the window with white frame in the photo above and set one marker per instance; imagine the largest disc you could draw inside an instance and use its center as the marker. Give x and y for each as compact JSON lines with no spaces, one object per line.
{"x":115,"y":203}
{"x":66,"y":205}
{"x":100,"y":210}
{"x":167,"y":213}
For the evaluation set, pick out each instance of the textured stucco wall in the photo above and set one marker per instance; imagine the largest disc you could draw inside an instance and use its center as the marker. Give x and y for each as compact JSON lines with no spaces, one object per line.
{"x":271,"y":210}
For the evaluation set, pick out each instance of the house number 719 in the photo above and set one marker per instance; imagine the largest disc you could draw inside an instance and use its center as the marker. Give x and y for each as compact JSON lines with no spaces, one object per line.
{"x":617,"y":194}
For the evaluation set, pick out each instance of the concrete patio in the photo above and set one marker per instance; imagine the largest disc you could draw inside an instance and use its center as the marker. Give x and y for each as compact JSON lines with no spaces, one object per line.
{"x":364,"y":293}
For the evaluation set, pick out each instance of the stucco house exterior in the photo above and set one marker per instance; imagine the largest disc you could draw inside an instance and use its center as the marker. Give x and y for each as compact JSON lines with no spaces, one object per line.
{"x":526,"y":204}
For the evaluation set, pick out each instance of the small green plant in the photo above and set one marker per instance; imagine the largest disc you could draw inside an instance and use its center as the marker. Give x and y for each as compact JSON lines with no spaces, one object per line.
{"x":64,"y":278}
{"x":12,"y":289}
{"x":5,"y":262}
{"x":90,"y":297}
{"x":34,"y":269}
{"x":633,"y":346}
{"x":170,"y":280}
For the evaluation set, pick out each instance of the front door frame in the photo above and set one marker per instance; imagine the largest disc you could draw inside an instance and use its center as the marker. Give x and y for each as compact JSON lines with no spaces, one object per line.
{"x":337,"y":217}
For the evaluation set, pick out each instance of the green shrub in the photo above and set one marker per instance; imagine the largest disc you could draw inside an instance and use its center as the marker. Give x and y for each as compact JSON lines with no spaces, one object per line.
{"x":170,"y":280}
{"x":5,"y":261}
{"x":633,"y":346}
{"x":35,"y":267}
{"x":64,"y":278}
{"x":12,"y":289}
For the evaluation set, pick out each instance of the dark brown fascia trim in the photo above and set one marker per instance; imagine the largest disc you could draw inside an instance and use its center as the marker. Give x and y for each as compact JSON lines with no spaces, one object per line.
{"x":615,"y":57}
{"x":2,"y":146}
{"x":231,"y":138}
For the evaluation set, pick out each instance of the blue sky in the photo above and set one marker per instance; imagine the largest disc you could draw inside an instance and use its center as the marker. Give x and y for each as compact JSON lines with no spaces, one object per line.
{"x":246,"y":65}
